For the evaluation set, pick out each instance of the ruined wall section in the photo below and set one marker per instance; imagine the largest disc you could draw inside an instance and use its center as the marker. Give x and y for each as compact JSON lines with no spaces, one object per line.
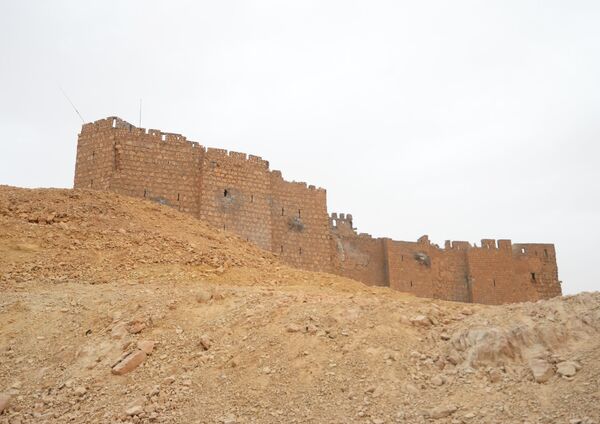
{"x":357,"y":256}
{"x":428,"y":271}
{"x":162,"y":167}
{"x":300,"y":224}
{"x":492,"y":274}
{"x":535,"y":263}
{"x":94,"y":164}
{"x":236,"y":195}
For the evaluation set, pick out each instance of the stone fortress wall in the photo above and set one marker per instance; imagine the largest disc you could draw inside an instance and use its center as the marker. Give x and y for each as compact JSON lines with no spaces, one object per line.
{"x":239,"y":193}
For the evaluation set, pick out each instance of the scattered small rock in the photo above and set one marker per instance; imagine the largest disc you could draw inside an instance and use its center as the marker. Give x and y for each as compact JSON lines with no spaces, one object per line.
{"x":292,"y":328}
{"x":441,"y":411}
{"x":134,"y":410}
{"x":129,"y":362}
{"x":80,"y":390}
{"x":438,"y":380}
{"x":420,"y":321}
{"x":203,"y":296}
{"x":205,"y":342}
{"x":146,"y":345}
{"x":136,"y":327}
{"x":566,"y":369}
{"x":541,"y":369}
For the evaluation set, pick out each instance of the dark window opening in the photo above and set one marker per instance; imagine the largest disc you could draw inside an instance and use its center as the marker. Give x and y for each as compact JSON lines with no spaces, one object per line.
{"x":144,"y":193}
{"x":282,"y":248}
{"x":533,"y":276}
{"x":299,"y":213}
{"x":300,"y":251}
{"x":494,"y":281}
{"x":252,"y":198}
{"x":93,"y":155}
{"x":92,"y":183}
{"x":178,"y":197}
{"x":225,"y":193}
{"x":281,"y":211}
{"x":411,"y":284}
{"x":402,"y":258}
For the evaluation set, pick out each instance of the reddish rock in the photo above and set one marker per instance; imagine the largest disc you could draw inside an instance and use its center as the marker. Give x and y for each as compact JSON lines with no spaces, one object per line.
{"x":129,"y":362}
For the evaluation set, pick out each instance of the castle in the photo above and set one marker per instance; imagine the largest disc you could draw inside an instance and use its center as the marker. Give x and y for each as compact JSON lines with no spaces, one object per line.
{"x":239,"y":193}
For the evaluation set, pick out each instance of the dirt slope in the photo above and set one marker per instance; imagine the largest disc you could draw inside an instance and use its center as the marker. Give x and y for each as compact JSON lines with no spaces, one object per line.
{"x":212,"y":329}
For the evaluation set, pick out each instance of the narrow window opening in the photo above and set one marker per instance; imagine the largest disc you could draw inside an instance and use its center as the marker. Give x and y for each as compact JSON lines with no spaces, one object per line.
{"x":533,"y":276}
{"x":546,"y":253}
{"x":92,"y":183}
{"x":144,"y":193}
{"x":93,"y":154}
{"x":252,"y":198}
{"x":494,"y":280}
{"x":300,"y":251}
{"x":281,"y":211}
{"x":178,"y":197}
{"x":411,"y":284}
{"x":299,"y":213}
{"x":401,"y":258}
{"x":225,"y":193}
{"x":282,"y":248}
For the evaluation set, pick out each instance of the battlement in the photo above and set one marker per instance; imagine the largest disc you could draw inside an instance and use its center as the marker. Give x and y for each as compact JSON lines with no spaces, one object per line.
{"x":237,"y":192}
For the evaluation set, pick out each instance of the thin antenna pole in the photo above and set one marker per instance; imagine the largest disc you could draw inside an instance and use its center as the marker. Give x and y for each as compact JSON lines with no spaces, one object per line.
{"x":140,"y":113}
{"x":69,"y":100}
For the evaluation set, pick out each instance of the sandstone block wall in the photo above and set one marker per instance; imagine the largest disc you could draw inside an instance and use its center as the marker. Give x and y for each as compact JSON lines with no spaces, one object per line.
{"x":239,"y":193}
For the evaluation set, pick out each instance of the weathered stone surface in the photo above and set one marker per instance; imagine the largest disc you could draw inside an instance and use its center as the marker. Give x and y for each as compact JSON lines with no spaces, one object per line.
{"x":541,"y":370}
{"x":146,"y":345}
{"x":421,"y":321}
{"x":566,"y":369}
{"x":129,"y":363}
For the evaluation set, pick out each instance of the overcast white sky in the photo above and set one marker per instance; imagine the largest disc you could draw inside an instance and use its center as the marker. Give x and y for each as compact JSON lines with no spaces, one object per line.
{"x":459,"y":119}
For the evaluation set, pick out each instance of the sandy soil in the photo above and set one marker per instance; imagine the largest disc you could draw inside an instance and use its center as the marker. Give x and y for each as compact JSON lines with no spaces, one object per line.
{"x":119,"y":310}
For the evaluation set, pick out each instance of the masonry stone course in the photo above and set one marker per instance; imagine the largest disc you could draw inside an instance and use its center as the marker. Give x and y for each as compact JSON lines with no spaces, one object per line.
{"x":239,"y":193}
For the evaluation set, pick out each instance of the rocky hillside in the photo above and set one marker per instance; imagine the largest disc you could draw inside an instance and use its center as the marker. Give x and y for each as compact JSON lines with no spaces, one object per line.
{"x":119,"y":310}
